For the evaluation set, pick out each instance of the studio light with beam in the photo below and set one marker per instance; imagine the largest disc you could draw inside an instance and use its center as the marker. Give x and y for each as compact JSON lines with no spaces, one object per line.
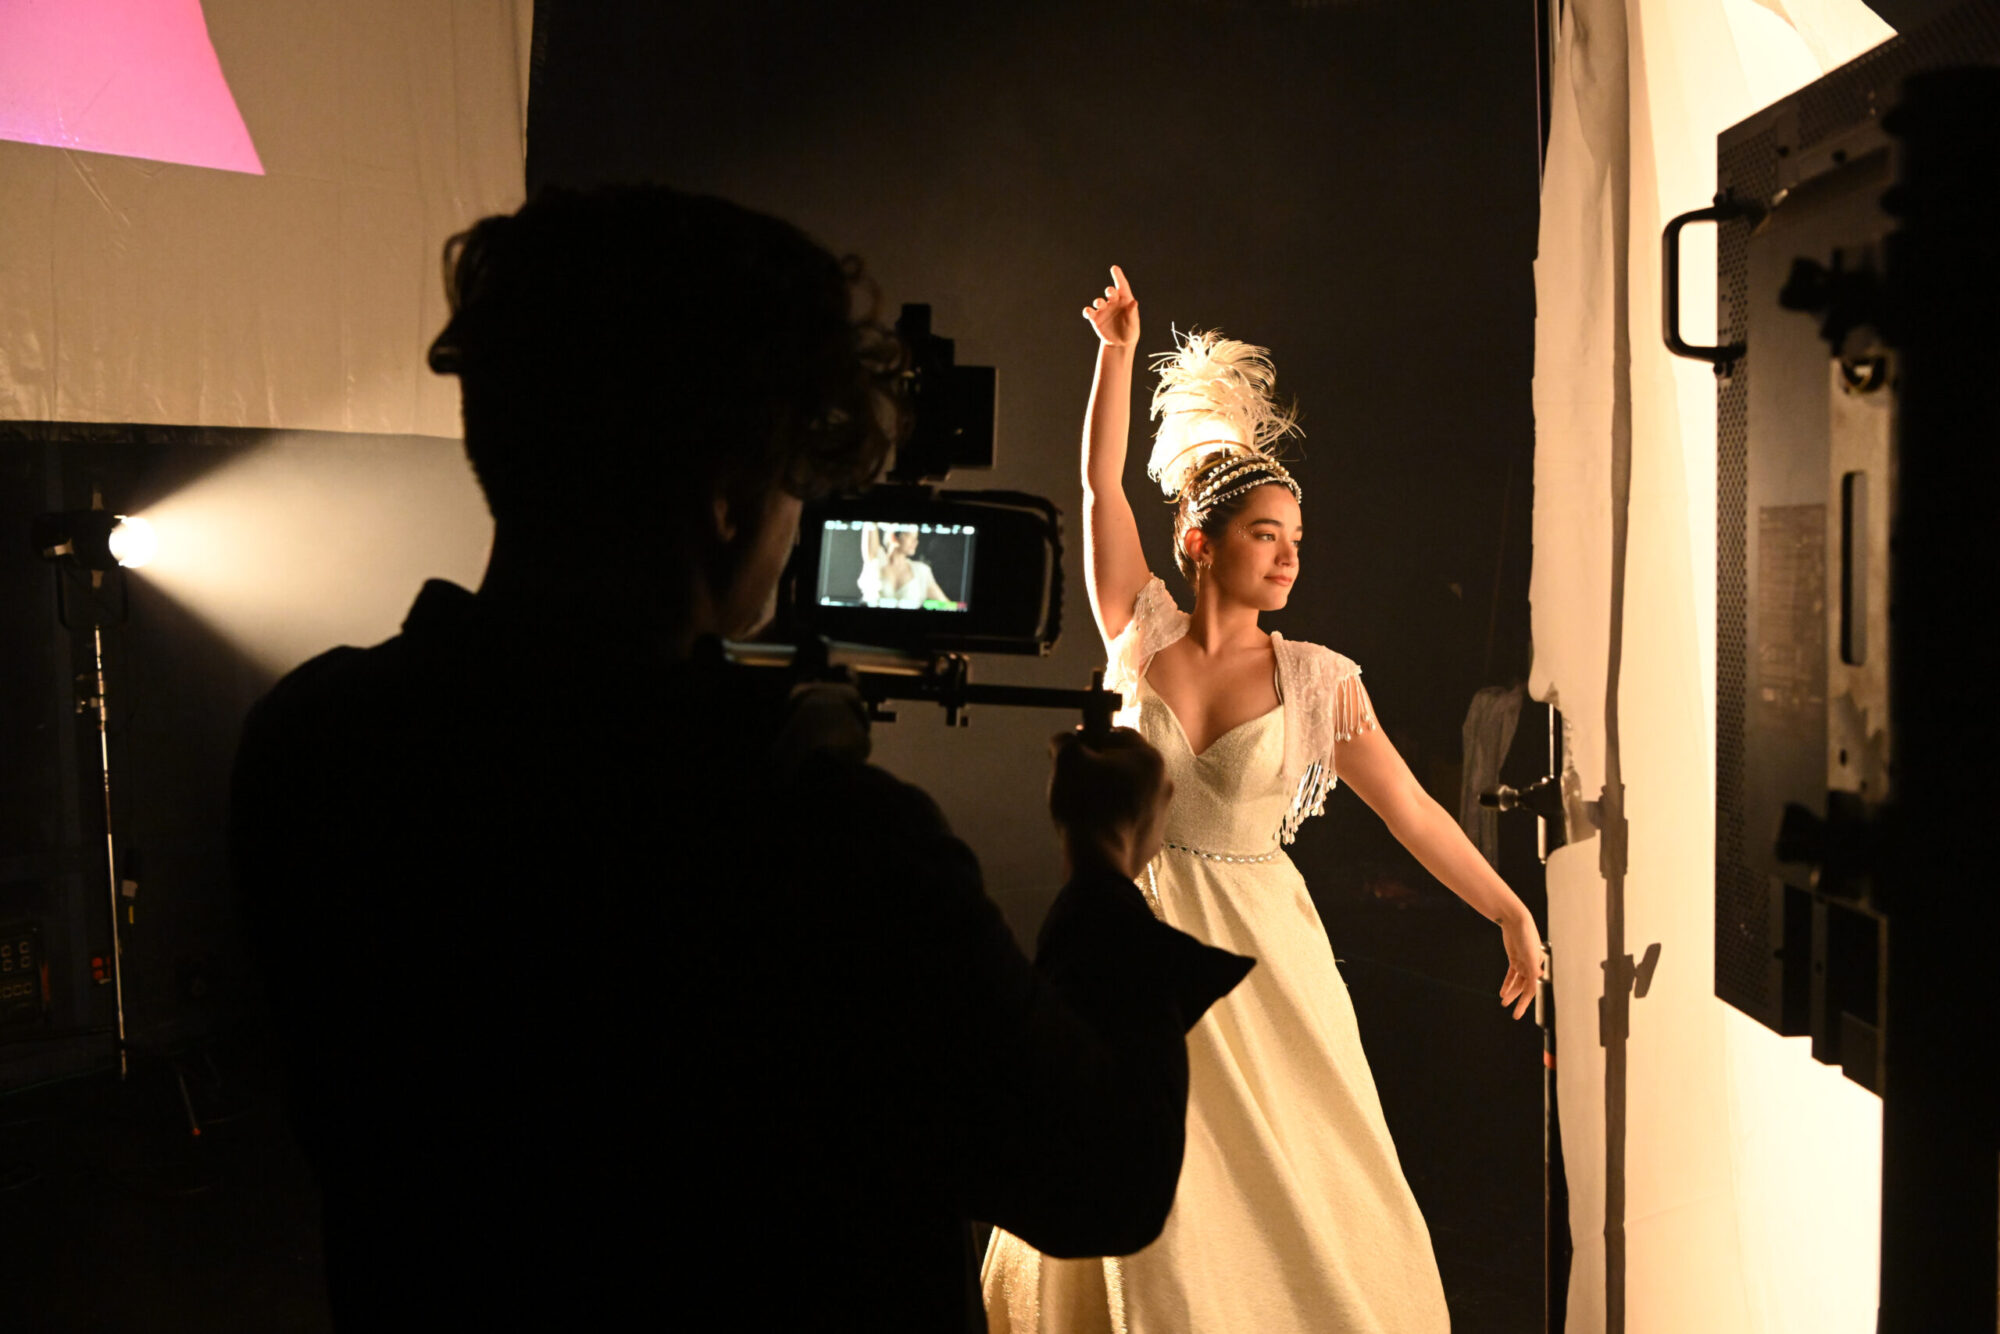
{"x":84,"y":546}
{"x":288,"y":545}
{"x":96,"y":539}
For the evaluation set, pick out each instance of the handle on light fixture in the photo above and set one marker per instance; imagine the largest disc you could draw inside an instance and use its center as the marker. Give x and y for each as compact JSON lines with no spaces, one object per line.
{"x":1724,"y":209}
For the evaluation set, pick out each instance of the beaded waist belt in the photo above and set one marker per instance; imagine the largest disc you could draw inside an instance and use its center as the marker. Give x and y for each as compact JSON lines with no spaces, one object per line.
{"x":1222,"y":856}
{"x":1152,"y":889}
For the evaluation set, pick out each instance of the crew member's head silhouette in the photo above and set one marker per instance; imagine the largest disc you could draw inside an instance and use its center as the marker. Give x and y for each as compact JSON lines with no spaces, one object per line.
{"x":652,"y":381}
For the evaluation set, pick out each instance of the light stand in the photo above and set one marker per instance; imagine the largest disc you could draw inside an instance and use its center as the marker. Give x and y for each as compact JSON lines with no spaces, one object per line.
{"x":96,"y":703}
{"x":96,"y":542}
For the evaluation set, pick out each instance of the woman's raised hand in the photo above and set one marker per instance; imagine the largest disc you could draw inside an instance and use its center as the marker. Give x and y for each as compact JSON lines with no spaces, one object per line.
{"x":1115,"y":315}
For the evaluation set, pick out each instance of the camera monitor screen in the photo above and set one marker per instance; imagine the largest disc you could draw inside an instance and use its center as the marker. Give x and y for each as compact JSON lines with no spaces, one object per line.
{"x":904,"y":566}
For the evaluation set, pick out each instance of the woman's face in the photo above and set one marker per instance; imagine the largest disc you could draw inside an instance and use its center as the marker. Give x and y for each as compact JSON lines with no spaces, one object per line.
{"x":1254,"y":556}
{"x":905,"y":542}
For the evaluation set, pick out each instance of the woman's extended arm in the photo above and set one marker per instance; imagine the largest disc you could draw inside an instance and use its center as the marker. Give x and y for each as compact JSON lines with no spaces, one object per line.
{"x":1114,"y":563}
{"x":1372,"y":767}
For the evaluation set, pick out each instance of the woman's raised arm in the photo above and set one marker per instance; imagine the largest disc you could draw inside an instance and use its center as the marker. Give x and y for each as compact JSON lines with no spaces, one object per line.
{"x":1114,"y":564}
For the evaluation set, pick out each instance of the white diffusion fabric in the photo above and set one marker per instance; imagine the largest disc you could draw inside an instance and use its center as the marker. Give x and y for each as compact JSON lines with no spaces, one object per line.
{"x":1751,"y":1172}
{"x":303,"y":298}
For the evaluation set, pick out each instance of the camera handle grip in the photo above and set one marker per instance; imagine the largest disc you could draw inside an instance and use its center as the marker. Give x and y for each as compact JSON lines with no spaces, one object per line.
{"x":1098,"y":707}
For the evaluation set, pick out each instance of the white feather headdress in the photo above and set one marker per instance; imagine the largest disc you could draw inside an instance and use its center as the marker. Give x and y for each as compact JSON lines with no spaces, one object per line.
{"x":1214,"y":397}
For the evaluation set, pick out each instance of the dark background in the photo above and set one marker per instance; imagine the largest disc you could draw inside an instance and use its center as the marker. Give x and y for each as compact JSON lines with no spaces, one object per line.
{"x":1352,"y":185}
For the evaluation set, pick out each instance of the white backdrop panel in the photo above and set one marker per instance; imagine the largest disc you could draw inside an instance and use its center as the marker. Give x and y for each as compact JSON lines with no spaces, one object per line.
{"x":137,"y":291}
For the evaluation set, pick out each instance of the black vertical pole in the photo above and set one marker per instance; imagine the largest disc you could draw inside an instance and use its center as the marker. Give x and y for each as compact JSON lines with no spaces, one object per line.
{"x":1614,"y":1020}
{"x":1548,"y":22}
{"x":101,"y":712}
{"x":1555,"y":1182}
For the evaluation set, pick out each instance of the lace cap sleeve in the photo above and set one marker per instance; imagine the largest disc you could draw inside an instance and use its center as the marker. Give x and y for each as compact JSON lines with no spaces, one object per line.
{"x":1156,"y":622}
{"x":1326,"y":704}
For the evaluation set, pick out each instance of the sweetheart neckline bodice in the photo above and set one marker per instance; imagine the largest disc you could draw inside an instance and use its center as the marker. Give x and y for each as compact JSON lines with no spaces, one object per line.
{"x":1180,"y":728}
{"x":1231,"y":797}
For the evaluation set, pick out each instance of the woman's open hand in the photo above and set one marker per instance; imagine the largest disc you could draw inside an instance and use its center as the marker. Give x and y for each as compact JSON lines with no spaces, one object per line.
{"x":1115,"y":315}
{"x":1524,"y":962}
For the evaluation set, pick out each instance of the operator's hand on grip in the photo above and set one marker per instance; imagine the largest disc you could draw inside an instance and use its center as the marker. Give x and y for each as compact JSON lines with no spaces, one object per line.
{"x":1524,"y":961}
{"x":1115,"y":315}
{"x":822,"y":718}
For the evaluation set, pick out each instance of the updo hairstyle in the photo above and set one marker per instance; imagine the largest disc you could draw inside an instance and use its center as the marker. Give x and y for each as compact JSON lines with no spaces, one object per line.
{"x":1103,"y":783}
{"x":1219,"y":426}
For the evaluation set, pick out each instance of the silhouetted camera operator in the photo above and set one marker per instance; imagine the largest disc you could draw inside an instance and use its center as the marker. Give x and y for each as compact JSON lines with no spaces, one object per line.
{"x":613,"y":982}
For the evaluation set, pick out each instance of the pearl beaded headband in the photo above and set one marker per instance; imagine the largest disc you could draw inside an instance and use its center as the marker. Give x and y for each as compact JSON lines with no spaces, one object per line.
{"x":1233,"y":476}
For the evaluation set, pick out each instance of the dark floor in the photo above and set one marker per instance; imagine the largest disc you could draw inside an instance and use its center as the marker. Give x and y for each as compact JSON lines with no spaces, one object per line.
{"x":1461,"y":1089}
{"x":113,"y":1217}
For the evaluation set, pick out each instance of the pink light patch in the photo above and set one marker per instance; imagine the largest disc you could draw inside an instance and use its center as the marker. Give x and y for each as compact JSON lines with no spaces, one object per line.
{"x":136,"y":78}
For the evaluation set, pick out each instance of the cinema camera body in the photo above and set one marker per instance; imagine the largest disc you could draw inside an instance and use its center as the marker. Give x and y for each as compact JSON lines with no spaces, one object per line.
{"x":891,"y":588}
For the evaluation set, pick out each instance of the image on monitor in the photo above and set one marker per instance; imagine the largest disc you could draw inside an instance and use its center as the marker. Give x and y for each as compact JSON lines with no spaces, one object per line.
{"x":902,"y":566}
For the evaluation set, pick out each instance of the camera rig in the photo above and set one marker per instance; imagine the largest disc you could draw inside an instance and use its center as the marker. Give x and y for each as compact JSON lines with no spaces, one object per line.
{"x":892,"y":587}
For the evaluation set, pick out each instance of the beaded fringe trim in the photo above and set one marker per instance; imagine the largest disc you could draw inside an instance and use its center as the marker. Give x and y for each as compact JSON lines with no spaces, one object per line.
{"x":1352,"y":716}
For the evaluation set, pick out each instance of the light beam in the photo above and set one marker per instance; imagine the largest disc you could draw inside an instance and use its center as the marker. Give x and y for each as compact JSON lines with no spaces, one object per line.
{"x":308,"y":542}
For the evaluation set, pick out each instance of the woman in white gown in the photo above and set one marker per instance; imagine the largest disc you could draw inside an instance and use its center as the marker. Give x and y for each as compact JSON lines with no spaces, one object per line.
{"x":891,"y":575}
{"x":1292,"y":1212}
